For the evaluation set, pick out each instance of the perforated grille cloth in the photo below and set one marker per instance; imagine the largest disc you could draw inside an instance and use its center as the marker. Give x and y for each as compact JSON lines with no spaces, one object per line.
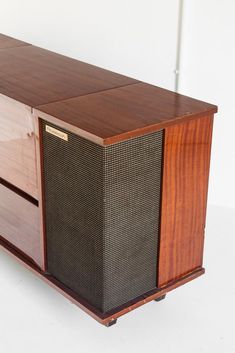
{"x":102,"y":215}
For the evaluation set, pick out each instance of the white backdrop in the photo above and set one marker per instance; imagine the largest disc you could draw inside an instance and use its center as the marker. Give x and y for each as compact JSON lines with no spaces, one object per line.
{"x":139,"y":39}
{"x":134,"y":37}
{"x":208,"y":73}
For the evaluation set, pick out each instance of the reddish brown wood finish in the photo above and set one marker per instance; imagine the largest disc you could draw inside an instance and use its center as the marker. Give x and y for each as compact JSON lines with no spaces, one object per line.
{"x":106,"y":108}
{"x":8,"y":42}
{"x":37,"y":76}
{"x":19,"y":223}
{"x":75,"y":299}
{"x":17,"y":146}
{"x":103,"y":106}
{"x":185,"y":182}
{"x":126,"y":112}
{"x":41,"y":193}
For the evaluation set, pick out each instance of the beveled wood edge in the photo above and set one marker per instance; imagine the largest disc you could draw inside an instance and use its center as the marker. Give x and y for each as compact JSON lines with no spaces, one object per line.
{"x":71,"y":128}
{"x":41,"y":203}
{"x":121,"y":137}
{"x":104,"y":319}
{"x":155,"y":127}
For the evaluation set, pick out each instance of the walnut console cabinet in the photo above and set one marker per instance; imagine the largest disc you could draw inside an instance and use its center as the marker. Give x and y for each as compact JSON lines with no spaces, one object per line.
{"x":103,"y":180}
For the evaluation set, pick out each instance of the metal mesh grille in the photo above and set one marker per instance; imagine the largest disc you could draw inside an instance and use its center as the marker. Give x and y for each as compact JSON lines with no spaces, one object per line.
{"x":132,"y":200}
{"x":102,"y":215}
{"x":73,"y":174}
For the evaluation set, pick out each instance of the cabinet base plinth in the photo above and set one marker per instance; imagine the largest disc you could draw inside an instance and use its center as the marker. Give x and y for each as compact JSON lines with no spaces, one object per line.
{"x":111,"y":317}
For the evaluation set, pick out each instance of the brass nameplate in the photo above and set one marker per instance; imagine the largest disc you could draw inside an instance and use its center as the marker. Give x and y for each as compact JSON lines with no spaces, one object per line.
{"x":62,"y":135}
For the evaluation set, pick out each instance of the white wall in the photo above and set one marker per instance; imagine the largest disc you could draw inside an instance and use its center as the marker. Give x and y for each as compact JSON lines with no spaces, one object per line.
{"x":138,"y":38}
{"x":134,"y":37}
{"x":208,"y":73}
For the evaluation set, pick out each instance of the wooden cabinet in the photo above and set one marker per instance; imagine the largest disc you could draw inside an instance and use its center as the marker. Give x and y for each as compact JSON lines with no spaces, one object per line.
{"x":70,"y":145}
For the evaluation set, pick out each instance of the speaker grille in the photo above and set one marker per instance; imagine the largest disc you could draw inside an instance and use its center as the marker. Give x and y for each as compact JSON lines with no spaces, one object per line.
{"x":102,"y":215}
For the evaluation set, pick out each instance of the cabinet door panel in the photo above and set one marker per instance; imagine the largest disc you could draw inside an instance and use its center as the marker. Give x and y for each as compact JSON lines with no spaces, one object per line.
{"x":17,"y":146}
{"x":19,"y":223}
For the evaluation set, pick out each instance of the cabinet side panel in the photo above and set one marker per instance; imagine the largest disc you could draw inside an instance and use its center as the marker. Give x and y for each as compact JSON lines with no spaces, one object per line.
{"x":184,"y":196}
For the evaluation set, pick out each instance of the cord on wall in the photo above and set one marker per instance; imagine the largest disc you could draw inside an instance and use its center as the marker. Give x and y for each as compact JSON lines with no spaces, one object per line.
{"x":179,"y":42}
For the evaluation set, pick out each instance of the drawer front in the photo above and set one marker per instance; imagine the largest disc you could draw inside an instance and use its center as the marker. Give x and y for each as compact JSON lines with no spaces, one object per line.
{"x":17,"y":146}
{"x":19,"y":223}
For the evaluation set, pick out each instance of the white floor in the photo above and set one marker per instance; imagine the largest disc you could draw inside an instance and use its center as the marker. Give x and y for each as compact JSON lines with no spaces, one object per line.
{"x":196,"y":318}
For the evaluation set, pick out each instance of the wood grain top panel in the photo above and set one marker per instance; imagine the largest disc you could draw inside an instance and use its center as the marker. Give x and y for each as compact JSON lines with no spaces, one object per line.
{"x":101,"y":104}
{"x":125,"y":112}
{"x":9,"y":42}
{"x":36,"y":76}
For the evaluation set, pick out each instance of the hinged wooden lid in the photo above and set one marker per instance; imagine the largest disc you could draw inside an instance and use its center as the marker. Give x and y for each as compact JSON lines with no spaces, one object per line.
{"x":102,"y":105}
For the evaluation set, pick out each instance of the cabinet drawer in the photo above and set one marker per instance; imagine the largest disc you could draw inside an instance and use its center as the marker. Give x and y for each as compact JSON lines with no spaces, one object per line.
{"x":17,"y":146}
{"x":19,"y":223}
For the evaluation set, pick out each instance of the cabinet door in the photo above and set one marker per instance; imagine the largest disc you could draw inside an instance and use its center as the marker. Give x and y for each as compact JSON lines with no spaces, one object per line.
{"x":17,"y":146}
{"x":19,"y":223}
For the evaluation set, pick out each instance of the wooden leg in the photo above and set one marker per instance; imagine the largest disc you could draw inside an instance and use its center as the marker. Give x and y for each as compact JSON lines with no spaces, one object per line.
{"x":111,"y":323}
{"x":160,"y":298}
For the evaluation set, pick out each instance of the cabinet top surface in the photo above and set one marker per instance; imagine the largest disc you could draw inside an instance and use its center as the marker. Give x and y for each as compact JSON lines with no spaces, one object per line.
{"x":102,"y":103}
{"x":36,"y":76}
{"x":122,"y":113}
{"x":9,"y":42}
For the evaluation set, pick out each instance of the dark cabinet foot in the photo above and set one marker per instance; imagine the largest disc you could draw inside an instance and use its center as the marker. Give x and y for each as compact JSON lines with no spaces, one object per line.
{"x":111,"y":323}
{"x":160,"y":298}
